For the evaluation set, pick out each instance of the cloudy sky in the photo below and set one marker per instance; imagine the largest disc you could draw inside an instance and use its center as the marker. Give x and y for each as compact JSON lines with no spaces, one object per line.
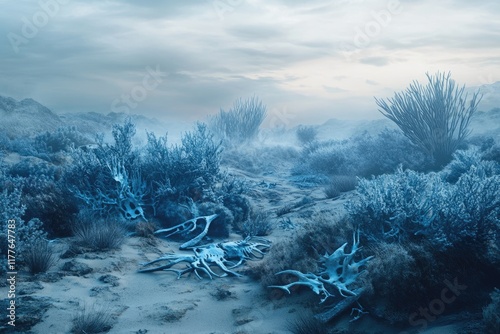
{"x":307,"y":60}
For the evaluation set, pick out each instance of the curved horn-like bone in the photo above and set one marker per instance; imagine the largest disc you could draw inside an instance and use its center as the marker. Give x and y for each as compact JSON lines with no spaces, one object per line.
{"x":189,"y":226}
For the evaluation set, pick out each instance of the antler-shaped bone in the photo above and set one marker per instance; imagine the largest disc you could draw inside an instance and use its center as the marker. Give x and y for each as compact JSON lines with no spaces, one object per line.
{"x":172,"y":259}
{"x":340,"y":271}
{"x":190,"y":226}
{"x":309,"y":280}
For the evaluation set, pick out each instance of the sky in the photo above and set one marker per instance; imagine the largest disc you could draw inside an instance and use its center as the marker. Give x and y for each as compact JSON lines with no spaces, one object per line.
{"x":308,"y":61}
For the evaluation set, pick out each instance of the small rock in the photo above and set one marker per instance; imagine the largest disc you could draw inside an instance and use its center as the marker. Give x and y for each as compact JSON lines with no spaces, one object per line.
{"x":98,"y":290}
{"x":171,"y":315}
{"x":72,"y":252}
{"x":166,"y":314}
{"x":242,"y":316}
{"x":51,"y":277}
{"x":110,"y":279}
{"x":75,"y":268}
{"x":29,"y":288}
{"x":222,"y":293}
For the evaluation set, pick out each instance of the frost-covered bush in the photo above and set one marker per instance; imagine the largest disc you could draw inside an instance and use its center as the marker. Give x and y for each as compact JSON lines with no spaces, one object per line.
{"x":362,"y":155}
{"x":45,"y":194}
{"x":185,"y":174}
{"x":402,"y":277}
{"x":257,"y":225}
{"x":160,"y":180}
{"x":12,"y":212}
{"x":241,"y":122}
{"x":195,"y":163}
{"x":470,"y":213}
{"x":11,"y":207}
{"x":259,"y":159}
{"x":464,"y":160}
{"x":49,"y":146}
{"x":331,"y":157}
{"x":394,"y":206}
{"x":108,"y":178}
{"x":306,"y":134}
{"x":408,"y":206}
{"x":384,"y":152}
{"x":492,"y":153}
{"x":62,"y":140}
{"x":22,"y":145}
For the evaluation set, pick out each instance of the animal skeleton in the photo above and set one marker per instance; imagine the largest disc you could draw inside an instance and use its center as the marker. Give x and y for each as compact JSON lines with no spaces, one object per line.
{"x":224,"y":255}
{"x":340,"y":271}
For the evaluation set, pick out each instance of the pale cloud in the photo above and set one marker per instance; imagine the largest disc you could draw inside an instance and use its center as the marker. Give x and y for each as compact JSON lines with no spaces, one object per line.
{"x":292,"y":54}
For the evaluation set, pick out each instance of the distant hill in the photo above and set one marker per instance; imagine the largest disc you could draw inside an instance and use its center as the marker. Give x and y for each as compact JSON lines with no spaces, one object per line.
{"x":26,"y":117}
{"x":491,"y":96}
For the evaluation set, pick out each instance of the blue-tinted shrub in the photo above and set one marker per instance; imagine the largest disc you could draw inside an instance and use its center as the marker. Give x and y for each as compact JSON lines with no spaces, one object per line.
{"x":463,"y":161}
{"x":10,"y":198}
{"x":108,"y":178}
{"x":470,"y":212}
{"x":118,"y":178}
{"x":39,"y":257}
{"x":241,"y":122}
{"x":45,"y":194}
{"x":198,"y":157}
{"x":96,"y":233}
{"x":62,"y":140}
{"x":332,"y":158}
{"x":408,"y":206}
{"x":185,"y":173}
{"x":362,"y":155}
{"x":387,"y":150}
{"x":435,"y":117}
{"x":306,"y":134}
{"x":394,"y":206}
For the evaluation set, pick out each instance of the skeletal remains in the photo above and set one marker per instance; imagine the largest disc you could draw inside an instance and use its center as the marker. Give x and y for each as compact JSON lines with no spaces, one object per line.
{"x":224,"y":255}
{"x":339,"y":271}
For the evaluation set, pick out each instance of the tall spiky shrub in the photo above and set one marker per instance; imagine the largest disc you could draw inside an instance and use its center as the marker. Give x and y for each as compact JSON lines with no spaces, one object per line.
{"x":240,"y":123}
{"x":434,"y":117}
